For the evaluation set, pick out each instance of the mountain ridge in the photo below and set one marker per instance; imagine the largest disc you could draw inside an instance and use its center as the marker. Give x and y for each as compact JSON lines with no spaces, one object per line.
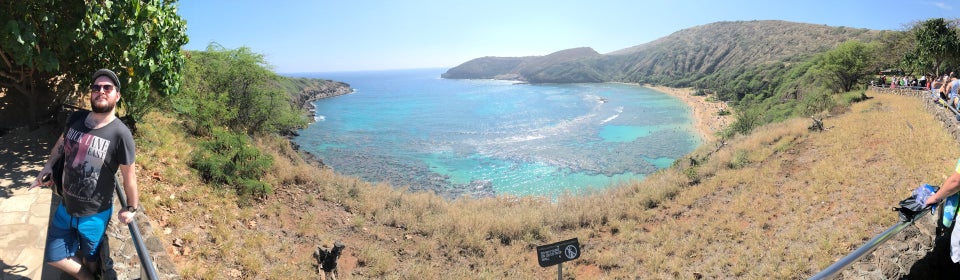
{"x":693,"y":52}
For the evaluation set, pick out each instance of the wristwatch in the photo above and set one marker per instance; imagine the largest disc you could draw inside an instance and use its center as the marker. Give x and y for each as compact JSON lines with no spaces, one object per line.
{"x":130,"y":209}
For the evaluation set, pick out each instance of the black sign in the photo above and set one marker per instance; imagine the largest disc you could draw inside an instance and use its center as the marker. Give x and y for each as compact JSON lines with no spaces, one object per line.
{"x":559,"y":252}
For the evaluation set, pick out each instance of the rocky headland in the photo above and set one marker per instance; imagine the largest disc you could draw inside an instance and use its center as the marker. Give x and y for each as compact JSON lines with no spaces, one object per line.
{"x":320,"y":89}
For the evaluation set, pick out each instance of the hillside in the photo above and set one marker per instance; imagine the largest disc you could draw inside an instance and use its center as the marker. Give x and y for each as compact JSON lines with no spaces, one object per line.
{"x":687,"y":54}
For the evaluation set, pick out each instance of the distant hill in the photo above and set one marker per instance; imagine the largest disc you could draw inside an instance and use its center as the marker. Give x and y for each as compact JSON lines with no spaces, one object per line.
{"x":686,"y":54}
{"x":550,"y":68}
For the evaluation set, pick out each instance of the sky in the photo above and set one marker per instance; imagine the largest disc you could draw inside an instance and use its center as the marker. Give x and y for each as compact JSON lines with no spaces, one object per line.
{"x":299,"y":36}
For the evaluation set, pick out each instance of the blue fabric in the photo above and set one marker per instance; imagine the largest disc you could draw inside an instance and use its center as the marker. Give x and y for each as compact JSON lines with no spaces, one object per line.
{"x":918,"y":198}
{"x":924,"y":192}
{"x":67,"y":234}
{"x":950,"y":209}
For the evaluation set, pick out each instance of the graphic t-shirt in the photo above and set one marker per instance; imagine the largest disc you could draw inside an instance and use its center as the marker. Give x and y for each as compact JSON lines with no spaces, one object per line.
{"x":92,"y":159}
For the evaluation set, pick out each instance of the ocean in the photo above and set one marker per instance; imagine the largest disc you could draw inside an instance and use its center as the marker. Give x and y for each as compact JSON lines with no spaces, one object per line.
{"x":412,"y":129}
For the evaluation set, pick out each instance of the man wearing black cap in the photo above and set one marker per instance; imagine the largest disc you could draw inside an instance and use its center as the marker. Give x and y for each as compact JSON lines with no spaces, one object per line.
{"x":95,"y":144}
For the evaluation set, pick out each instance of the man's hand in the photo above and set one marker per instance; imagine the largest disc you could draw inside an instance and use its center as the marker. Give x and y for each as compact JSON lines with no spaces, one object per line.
{"x":126,"y":217}
{"x":932,"y":200}
{"x":43,"y":179}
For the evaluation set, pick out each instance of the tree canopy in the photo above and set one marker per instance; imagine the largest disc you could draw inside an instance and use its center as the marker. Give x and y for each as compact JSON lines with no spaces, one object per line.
{"x":235,"y":89}
{"x":845,"y":66}
{"x":49,"y":49}
{"x":936,"y":44}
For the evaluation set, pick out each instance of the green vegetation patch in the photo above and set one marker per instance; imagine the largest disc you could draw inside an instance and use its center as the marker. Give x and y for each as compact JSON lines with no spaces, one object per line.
{"x":231,"y":159}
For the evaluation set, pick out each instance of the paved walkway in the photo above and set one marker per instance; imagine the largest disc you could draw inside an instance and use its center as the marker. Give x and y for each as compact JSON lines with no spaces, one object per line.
{"x":24,"y":214}
{"x":23,"y":223}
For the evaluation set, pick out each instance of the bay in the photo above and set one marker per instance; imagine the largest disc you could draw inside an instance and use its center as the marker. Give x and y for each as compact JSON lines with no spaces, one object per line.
{"x":412,"y":129}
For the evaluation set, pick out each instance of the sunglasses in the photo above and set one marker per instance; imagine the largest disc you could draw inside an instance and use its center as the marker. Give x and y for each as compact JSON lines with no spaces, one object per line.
{"x":106,"y":88}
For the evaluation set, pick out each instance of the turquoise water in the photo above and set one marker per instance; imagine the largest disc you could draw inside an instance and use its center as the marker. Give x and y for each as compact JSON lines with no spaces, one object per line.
{"x":413,"y":129}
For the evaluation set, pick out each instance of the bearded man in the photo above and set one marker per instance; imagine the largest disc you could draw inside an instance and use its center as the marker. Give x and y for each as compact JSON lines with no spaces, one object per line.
{"x":94,"y":145}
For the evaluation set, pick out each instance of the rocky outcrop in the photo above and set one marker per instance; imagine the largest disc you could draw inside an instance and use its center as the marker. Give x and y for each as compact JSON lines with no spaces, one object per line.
{"x":320,"y":89}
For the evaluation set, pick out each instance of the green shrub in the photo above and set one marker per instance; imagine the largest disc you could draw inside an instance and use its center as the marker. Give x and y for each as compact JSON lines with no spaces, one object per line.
{"x":254,"y":188}
{"x":815,"y":102}
{"x":746,"y":120}
{"x":228,"y":158}
{"x":853,"y":97}
{"x":740,"y":160}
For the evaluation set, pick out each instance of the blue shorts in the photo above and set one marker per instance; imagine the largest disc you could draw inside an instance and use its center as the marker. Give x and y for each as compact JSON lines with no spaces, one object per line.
{"x":67,"y":234}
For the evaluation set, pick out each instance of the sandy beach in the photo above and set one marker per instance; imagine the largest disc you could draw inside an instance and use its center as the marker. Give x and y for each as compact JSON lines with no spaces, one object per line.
{"x":706,"y":118}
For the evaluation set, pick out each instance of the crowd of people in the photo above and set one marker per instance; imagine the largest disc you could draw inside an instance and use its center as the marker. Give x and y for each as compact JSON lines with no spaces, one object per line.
{"x":901,"y":81}
{"x":943,"y":89}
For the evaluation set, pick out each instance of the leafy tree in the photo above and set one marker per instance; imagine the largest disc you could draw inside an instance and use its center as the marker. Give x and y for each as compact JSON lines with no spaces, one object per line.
{"x":936,"y":43}
{"x":47,"y":47}
{"x":235,"y":89}
{"x":843,"y":67}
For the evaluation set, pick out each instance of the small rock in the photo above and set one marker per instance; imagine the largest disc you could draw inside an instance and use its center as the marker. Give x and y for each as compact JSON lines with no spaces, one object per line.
{"x":178,"y":242}
{"x":235,"y":273}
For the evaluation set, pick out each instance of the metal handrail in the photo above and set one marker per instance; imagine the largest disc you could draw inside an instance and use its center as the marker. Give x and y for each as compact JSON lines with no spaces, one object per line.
{"x":838,"y":266}
{"x":146,"y":263}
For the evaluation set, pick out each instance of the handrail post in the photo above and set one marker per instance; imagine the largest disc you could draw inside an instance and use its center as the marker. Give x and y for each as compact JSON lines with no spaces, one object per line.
{"x":146,"y":263}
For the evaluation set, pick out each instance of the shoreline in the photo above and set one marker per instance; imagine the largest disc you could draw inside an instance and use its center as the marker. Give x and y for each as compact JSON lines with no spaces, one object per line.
{"x":706,"y":119}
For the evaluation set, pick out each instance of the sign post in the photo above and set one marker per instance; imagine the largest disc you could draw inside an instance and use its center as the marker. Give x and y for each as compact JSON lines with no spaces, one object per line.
{"x":557,"y":253}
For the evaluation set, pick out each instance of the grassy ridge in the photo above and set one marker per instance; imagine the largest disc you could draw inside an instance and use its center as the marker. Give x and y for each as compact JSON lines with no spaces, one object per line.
{"x":780,"y":203}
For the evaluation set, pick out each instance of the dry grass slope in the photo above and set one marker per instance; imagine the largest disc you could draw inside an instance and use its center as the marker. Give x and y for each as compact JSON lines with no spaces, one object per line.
{"x":780,"y":203}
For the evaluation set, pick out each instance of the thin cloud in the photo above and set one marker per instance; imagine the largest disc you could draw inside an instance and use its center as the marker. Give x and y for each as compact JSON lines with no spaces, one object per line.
{"x":943,"y":6}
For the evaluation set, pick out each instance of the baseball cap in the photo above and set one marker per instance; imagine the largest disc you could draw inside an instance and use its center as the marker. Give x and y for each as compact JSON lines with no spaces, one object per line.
{"x":109,"y":74}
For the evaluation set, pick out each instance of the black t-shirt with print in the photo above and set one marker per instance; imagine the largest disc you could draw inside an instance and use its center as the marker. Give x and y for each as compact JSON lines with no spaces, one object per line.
{"x":92,"y":159}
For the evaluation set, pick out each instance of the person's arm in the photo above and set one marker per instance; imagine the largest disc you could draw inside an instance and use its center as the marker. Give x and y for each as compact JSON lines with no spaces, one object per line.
{"x":47,"y":170}
{"x":949,"y":187}
{"x":129,"y":175}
